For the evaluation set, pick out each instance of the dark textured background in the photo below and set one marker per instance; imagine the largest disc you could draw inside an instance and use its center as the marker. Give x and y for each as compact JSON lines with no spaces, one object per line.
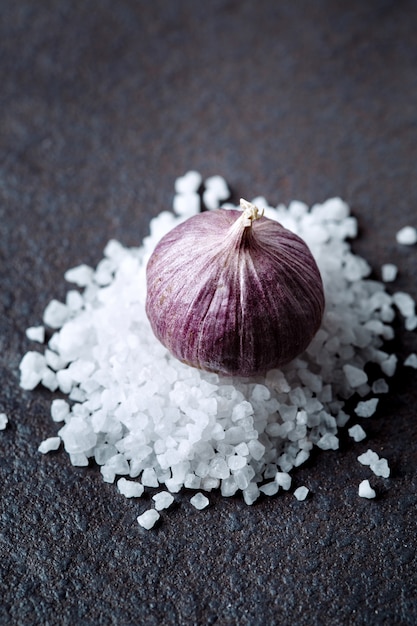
{"x":103,"y":104}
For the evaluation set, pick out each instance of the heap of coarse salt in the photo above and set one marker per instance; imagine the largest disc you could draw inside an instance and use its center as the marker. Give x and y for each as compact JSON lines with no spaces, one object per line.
{"x":149,"y":421}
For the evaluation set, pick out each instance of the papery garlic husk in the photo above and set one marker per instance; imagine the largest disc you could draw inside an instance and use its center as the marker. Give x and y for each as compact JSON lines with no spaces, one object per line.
{"x":233,"y":292}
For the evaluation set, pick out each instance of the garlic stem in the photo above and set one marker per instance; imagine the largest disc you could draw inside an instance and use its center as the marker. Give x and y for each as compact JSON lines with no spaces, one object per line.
{"x":250,"y":212}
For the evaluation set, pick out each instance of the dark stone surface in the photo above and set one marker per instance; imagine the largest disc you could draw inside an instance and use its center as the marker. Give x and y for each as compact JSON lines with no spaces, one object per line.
{"x":103,"y":105}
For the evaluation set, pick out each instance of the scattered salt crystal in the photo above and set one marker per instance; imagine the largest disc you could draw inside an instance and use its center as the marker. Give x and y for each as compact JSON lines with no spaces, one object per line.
{"x":81,"y":275}
{"x":211,"y":199}
{"x":301,"y":493}
{"x":130,"y":488}
{"x":269,"y":489}
{"x":328,"y":442}
{"x":187,"y":204}
{"x":365,"y":490}
{"x":3,"y":421}
{"x":251,"y":493}
{"x":51,"y":443}
{"x":389,"y":365}
{"x":59,"y":410}
{"x":32,"y":368}
{"x":199,"y":501}
{"x":389,"y":272}
{"x":357,"y":432}
{"x":78,"y":459}
{"x":411,"y":361}
{"x":148,"y":519}
{"x":283,"y":479}
{"x":36,"y":333}
{"x":189,"y":183}
{"x":405,"y":303}
{"x":380,"y":468}
{"x":149,"y":478}
{"x":380,"y":386}
{"x":163,"y":500}
{"x":366,"y":408}
{"x":56,"y":314}
{"x":354,"y":375}
{"x":368,"y":458}
{"x":407,"y":236}
{"x":218,"y":185}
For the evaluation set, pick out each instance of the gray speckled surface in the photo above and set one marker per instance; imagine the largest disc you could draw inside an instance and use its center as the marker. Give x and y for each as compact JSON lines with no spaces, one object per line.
{"x":103,"y":105}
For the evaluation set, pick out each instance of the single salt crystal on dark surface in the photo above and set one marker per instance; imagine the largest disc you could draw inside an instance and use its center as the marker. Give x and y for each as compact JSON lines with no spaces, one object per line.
{"x":199,"y":501}
{"x":411,"y":361}
{"x":163,"y":500}
{"x":148,"y":519}
{"x":36,"y":333}
{"x":301,"y":493}
{"x":357,"y":432}
{"x":389,"y":272}
{"x":366,"y":491}
{"x":130,"y":488}
{"x":51,"y":443}
{"x":407,"y":236}
{"x":366,"y":408}
{"x":3,"y":421}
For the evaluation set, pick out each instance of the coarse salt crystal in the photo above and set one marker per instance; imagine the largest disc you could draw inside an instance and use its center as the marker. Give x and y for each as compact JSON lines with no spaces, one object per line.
{"x":380,"y":468}
{"x":301,"y":493}
{"x":130,"y":488}
{"x":81,"y":275}
{"x":51,"y":443}
{"x":3,"y":421}
{"x":36,"y":333}
{"x":199,"y":501}
{"x":407,"y":236}
{"x":389,"y":272}
{"x":366,"y":408}
{"x":163,"y":500}
{"x":189,"y":183}
{"x":148,"y":519}
{"x":368,"y":457}
{"x":56,"y":314}
{"x":357,"y":432}
{"x":365,"y":490}
{"x":283,"y":479}
{"x":355,"y":376}
{"x":411,"y":361}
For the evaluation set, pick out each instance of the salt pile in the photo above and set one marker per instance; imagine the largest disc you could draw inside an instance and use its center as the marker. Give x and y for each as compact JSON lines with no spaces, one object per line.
{"x":148,"y":420}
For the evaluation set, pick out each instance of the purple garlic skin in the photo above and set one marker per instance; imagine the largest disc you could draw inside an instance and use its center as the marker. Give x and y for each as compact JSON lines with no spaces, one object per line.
{"x":234,"y":293}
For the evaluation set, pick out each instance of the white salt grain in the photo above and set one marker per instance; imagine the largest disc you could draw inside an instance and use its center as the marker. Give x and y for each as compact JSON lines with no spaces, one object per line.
{"x":301,"y":493}
{"x":186,"y":204}
{"x":148,"y":519}
{"x":411,"y":361}
{"x":149,"y":478}
{"x":407,"y":236}
{"x":51,"y":443}
{"x":365,"y":490}
{"x":366,"y":408}
{"x":163,"y":500}
{"x":368,"y":458}
{"x":380,"y":468}
{"x":283,"y":479}
{"x":36,"y":333}
{"x":357,"y":432}
{"x":32,"y":368}
{"x":189,"y":183}
{"x":389,"y":272}
{"x":82,"y":275}
{"x":3,"y":421}
{"x":355,"y":376}
{"x":130,"y":488}
{"x":199,"y":501}
{"x":56,"y":314}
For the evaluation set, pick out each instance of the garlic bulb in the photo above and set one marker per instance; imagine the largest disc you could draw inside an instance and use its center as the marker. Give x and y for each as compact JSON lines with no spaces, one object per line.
{"x":233,"y":292}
